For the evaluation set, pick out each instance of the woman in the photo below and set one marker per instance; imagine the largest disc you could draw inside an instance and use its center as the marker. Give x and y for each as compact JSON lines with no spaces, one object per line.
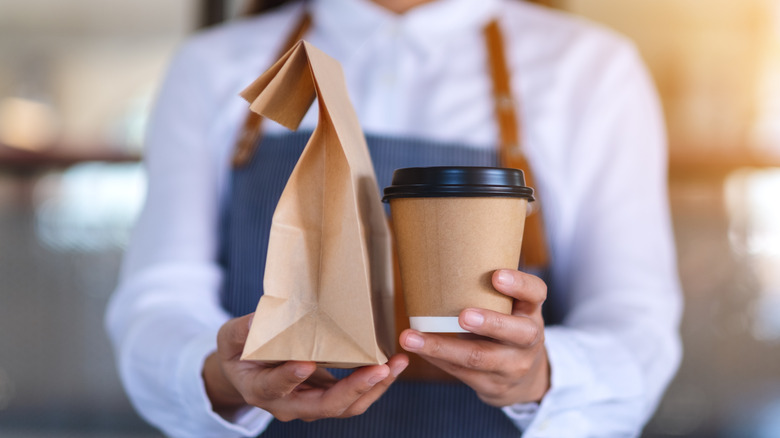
{"x":419,"y":79}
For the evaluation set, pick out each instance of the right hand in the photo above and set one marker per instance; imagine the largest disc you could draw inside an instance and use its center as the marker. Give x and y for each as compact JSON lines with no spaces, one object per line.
{"x":289,"y":390}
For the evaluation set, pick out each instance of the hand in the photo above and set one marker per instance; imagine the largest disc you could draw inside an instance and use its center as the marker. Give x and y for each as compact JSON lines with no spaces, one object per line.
{"x":289,"y":390}
{"x":507,"y":362}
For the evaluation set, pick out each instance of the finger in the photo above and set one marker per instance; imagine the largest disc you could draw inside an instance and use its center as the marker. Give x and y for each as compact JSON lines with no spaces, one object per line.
{"x":519,"y":330}
{"x":350,"y":396}
{"x":454,"y":354}
{"x":278,"y":382}
{"x":478,"y":380}
{"x":494,"y":388}
{"x":479,"y":374}
{"x":523,"y":287}
{"x":336,"y":400}
{"x":397,"y":364}
{"x":232,"y":336}
{"x":321,"y":378}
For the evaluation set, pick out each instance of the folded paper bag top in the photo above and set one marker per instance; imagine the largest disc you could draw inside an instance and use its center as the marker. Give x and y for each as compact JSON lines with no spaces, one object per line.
{"x":328,"y":277}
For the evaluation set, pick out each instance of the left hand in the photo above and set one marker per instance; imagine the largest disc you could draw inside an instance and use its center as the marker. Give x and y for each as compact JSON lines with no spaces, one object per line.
{"x":507,"y":362}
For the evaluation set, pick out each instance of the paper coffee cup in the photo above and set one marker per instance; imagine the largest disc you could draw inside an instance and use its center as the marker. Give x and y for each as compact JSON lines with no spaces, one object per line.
{"x":453,"y":227}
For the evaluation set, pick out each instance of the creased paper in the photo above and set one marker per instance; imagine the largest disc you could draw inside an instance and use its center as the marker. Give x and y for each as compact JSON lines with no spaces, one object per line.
{"x":328,"y":278}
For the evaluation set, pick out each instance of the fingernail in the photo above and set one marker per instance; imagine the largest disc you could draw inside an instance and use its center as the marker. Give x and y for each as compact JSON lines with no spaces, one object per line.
{"x":414,"y":341}
{"x":376,"y":378}
{"x":473,"y":319}
{"x":398,"y":369}
{"x":301,"y":373}
{"x":505,"y":278}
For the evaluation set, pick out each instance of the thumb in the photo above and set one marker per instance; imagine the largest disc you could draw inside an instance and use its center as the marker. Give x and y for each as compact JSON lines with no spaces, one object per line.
{"x":232,"y":336}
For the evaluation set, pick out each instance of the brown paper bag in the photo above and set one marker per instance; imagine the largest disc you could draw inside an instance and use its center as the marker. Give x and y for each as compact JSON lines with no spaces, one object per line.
{"x":328,"y":278}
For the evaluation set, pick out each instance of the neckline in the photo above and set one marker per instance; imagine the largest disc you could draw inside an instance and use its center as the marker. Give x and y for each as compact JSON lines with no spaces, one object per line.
{"x":424,"y":25}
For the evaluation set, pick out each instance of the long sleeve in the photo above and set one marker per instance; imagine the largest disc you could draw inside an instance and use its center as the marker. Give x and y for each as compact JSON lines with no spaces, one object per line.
{"x":164,"y":316}
{"x":618,"y":346}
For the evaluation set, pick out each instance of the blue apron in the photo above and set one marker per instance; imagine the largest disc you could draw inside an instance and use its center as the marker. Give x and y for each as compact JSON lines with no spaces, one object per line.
{"x":407,"y":409}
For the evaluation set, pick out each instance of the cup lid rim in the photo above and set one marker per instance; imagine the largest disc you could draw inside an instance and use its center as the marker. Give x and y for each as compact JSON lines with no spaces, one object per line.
{"x":457,"y":181}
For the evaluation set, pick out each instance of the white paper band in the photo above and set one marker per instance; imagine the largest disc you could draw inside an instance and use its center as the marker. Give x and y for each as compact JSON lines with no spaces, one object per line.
{"x":436,"y":324}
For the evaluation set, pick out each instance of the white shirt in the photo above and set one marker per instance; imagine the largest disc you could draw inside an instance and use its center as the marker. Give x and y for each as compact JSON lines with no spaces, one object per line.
{"x":593,"y":133}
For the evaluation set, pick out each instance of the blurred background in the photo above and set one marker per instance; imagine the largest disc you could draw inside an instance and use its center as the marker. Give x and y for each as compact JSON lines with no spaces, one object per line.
{"x":76,"y":81}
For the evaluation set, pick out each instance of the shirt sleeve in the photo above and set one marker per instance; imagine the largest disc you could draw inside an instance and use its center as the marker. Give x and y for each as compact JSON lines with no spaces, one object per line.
{"x":164,"y":316}
{"x":614,"y":263}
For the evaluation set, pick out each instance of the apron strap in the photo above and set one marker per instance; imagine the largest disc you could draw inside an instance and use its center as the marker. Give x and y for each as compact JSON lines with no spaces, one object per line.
{"x":534,"y":252}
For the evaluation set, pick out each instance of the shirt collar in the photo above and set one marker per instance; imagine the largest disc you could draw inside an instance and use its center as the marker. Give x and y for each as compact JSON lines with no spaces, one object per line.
{"x":350,"y":22}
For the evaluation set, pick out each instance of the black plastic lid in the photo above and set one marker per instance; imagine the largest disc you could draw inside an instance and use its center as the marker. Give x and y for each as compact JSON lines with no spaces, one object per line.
{"x":438,"y":182}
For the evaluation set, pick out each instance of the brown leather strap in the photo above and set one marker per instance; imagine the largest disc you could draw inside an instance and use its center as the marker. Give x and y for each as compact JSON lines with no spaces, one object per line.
{"x":534,"y":251}
{"x":250,"y":134}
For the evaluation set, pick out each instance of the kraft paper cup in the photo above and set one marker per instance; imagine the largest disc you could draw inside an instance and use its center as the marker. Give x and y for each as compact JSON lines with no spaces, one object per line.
{"x":453,"y":227}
